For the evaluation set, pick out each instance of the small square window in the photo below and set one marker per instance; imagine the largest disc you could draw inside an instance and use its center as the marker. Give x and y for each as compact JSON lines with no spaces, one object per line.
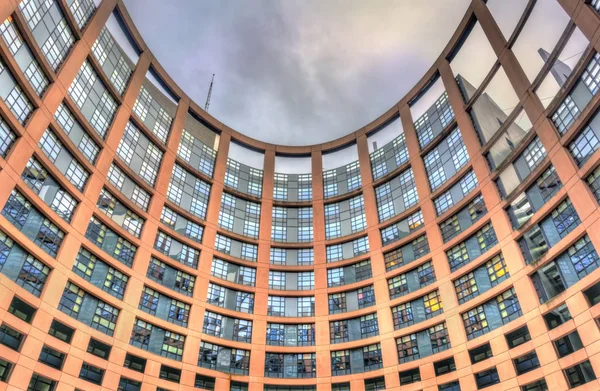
{"x":170,"y":373}
{"x":487,"y":378}
{"x":445,"y":366}
{"x":135,"y":363}
{"x":518,"y":337}
{"x":5,"y":370}
{"x":410,"y":376}
{"x":99,"y":349}
{"x":91,"y":373}
{"x":52,"y":357}
{"x":526,"y":363}
{"x":557,"y":316}
{"x":204,"y":382}
{"x":60,"y":331}
{"x":580,"y":374}
{"x":568,"y":344}
{"x":21,"y":310}
{"x":480,"y":353}
{"x":11,"y":338}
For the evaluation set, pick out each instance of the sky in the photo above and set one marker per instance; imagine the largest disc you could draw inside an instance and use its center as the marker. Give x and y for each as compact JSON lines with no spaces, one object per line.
{"x":297,"y":72}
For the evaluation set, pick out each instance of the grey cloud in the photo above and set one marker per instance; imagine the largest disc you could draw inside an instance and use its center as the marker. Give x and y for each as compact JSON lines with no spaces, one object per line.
{"x":297,"y":72}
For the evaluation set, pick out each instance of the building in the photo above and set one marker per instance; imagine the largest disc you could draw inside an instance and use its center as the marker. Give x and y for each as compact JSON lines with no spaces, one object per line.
{"x":137,"y":254}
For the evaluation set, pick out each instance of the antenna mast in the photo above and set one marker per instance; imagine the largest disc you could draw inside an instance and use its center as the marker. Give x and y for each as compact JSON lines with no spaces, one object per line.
{"x":209,"y":93}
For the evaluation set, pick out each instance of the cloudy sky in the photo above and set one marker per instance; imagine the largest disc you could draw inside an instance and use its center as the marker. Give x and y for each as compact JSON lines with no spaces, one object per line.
{"x":297,"y":71}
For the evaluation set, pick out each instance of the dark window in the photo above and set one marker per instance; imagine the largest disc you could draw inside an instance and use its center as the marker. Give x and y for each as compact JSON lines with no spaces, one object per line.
{"x":557,"y":316}
{"x":91,"y":373}
{"x":204,"y":382}
{"x":480,"y":353}
{"x":238,"y":386}
{"x":454,"y":386}
{"x":170,"y":373}
{"x":568,"y":344}
{"x":21,"y":309}
{"x":539,"y":385}
{"x":340,"y":387}
{"x":61,"y":331}
{"x":410,"y":376}
{"x":135,"y":363}
{"x":5,"y":369}
{"x":526,"y":363}
{"x":126,"y":384}
{"x":375,"y":384}
{"x":593,"y":293}
{"x":10,"y":337}
{"x":518,"y":337}
{"x":580,"y":374}
{"x":52,"y":357}
{"x":487,"y":378}
{"x":40,"y":383}
{"x":99,"y":349}
{"x":444,"y":366}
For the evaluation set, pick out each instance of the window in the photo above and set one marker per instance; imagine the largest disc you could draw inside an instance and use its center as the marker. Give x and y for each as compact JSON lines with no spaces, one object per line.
{"x":306,"y":306}
{"x":135,"y":363}
{"x":10,"y":337}
{"x":340,"y":363}
{"x":539,"y":385}
{"x":579,"y":374}
{"x":170,"y":373}
{"x":445,"y":366}
{"x":487,"y":378}
{"x":104,"y":317}
{"x":338,"y":331}
{"x":91,"y":373}
{"x":518,"y":337}
{"x":14,"y":97}
{"x":397,"y":287}
{"x":584,"y":145}
{"x":375,"y":384}
{"x":453,"y":386}
{"x":557,"y":316}
{"x":20,"y":212}
{"x":475,"y":322}
{"x":480,"y":353}
{"x":239,"y":359}
{"x":126,"y":384}
{"x":238,"y":386}
{"x":204,"y":382}
{"x":88,"y":91}
{"x":52,"y":357}
{"x":99,"y":349}
{"x":5,"y":370}
{"x":366,"y":297}
{"x":433,"y":304}
{"x":408,"y":348}
{"x":337,"y":303}
{"x":410,"y":376}
{"x":60,"y":331}
{"x":276,"y":306}
{"x":7,"y":138}
{"x":21,"y":309}
{"x":451,"y":148}
{"x":40,"y":181}
{"x":40,"y":383}
{"x":526,"y":363}
{"x":438,"y":336}
{"x":369,"y":326}
{"x":568,"y":344}
{"x":372,"y":359}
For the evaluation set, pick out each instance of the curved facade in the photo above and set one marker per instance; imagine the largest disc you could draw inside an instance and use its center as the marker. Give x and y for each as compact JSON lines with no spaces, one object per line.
{"x":139,"y":252}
